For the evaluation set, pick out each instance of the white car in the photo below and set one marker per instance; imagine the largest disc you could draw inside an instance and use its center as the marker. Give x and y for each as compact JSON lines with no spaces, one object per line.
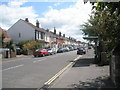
{"x":51,"y":51}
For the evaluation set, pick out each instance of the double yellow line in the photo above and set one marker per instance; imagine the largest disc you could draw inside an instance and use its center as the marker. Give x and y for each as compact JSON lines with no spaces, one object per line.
{"x":59,"y":73}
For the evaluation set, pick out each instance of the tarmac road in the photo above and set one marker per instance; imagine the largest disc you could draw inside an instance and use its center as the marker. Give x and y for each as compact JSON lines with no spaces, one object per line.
{"x":30,"y":72}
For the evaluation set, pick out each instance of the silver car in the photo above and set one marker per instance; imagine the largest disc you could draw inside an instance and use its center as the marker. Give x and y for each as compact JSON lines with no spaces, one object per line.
{"x":51,"y":51}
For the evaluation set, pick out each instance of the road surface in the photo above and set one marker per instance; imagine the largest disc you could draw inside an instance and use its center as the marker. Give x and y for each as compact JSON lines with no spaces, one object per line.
{"x":30,"y":72}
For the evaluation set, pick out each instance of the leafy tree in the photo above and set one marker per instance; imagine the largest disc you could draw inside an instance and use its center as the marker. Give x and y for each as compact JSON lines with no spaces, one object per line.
{"x":107,"y":25}
{"x":11,"y":45}
{"x":29,"y":45}
{"x":32,"y":45}
{"x":2,"y":37}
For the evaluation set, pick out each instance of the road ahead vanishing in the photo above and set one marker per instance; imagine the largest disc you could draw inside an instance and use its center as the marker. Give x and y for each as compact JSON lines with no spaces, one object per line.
{"x":30,"y":72}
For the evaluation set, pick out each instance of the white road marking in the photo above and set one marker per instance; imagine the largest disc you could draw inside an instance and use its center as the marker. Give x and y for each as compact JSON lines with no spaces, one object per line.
{"x":13,"y":67}
{"x":39,"y":60}
{"x":53,"y":56}
{"x":15,"y":59}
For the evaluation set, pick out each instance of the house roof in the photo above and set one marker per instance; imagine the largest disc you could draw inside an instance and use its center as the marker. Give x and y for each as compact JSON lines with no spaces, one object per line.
{"x":45,"y":31}
{"x":42,"y":29}
{"x":36,"y":28}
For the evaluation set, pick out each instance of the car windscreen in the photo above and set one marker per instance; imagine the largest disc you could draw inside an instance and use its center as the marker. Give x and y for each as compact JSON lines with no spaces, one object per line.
{"x":49,"y":49}
{"x":38,"y":50}
{"x":81,"y":49}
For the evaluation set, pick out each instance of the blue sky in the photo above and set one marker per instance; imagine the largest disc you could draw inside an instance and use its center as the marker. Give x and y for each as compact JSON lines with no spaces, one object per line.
{"x":65,"y":16}
{"x":41,"y":7}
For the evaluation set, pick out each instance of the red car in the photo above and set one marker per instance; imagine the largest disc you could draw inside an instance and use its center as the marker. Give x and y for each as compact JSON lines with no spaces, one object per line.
{"x":41,"y":52}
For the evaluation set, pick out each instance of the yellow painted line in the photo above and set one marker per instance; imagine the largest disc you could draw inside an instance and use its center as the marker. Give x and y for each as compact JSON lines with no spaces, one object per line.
{"x":77,"y":58}
{"x":60,"y":72}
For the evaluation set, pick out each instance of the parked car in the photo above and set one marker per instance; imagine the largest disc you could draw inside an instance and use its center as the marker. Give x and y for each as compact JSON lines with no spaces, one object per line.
{"x":71,"y":48}
{"x":89,"y":47}
{"x":51,"y":51}
{"x":75,"y":48}
{"x":81,"y":51}
{"x":66,"y":49}
{"x":41,"y":52}
{"x":60,"y":50}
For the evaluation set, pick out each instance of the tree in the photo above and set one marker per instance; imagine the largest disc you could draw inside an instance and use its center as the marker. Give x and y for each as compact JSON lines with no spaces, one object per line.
{"x":105,"y":22}
{"x":108,"y":28}
{"x":32,"y":45}
{"x":2,"y":37}
{"x":29,"y":45}
{"x":88,"y":29}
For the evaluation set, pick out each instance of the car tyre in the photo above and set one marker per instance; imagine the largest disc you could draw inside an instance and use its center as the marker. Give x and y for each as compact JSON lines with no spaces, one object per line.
{"x":35,"y":56}
{"x":43,"y":55}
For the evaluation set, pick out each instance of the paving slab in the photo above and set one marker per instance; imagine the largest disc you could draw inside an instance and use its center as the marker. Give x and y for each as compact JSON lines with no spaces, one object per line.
{"x":85,"y":74}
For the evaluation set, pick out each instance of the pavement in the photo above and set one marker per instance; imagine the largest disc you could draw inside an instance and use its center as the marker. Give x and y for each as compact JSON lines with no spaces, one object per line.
{"x":17,"y":57}
{"x":85,"y":74}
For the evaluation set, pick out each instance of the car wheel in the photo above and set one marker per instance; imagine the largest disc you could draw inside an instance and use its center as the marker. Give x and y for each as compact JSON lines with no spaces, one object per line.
{"x":43,"y":55}
{"x":35,"y":56}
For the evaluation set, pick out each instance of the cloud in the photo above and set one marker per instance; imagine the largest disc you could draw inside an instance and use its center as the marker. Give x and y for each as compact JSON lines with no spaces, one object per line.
{"x":16,"y":3}
{"x":67,"y":20}
{"x":13,"y":12}
{"x":57,"y":4}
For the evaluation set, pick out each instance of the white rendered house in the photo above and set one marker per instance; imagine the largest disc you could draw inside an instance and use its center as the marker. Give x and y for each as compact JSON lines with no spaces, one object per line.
{"x":23,"y":30}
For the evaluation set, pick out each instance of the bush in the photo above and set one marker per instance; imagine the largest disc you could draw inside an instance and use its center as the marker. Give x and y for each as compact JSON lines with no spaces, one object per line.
{"x":29,"y":45}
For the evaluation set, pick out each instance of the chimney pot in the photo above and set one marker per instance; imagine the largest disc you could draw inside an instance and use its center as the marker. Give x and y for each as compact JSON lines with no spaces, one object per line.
{"x":59,"y":33}
{"x":26,"y":19}
{"x":37,"y":23}
{"x":63,"y":35}
{"x":54,"y":30}
{"x":47,"y":30}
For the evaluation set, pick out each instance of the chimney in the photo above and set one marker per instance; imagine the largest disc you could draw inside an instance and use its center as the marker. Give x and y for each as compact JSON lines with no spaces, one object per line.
{"x":63,"y":35}
{"x":59,"y":33}
{"x":26,"y":19}
{"x":69,"y":38}
{"x":47,"y":30}
{"x":37,"y":23}
{"x":54,"y":30}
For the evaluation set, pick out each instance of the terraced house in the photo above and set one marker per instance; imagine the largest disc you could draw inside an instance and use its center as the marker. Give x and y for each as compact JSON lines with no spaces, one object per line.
{"x":24,"y":30}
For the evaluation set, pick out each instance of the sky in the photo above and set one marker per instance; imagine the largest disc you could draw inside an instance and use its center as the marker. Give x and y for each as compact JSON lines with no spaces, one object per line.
{"x":65,"y":16}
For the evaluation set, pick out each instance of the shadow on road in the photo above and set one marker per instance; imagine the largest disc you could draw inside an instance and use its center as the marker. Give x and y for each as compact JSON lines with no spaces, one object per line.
{"x":84,"y":62}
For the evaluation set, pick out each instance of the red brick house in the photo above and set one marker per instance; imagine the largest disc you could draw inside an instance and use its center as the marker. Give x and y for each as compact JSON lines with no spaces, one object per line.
{"x":7,"y":38}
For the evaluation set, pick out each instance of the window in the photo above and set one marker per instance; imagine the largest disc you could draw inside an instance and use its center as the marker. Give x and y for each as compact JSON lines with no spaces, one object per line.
{"x":39,"y":35}
{"x":19,"y":35}
{"x":36,"y":34}
{"x":42,"y":35}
